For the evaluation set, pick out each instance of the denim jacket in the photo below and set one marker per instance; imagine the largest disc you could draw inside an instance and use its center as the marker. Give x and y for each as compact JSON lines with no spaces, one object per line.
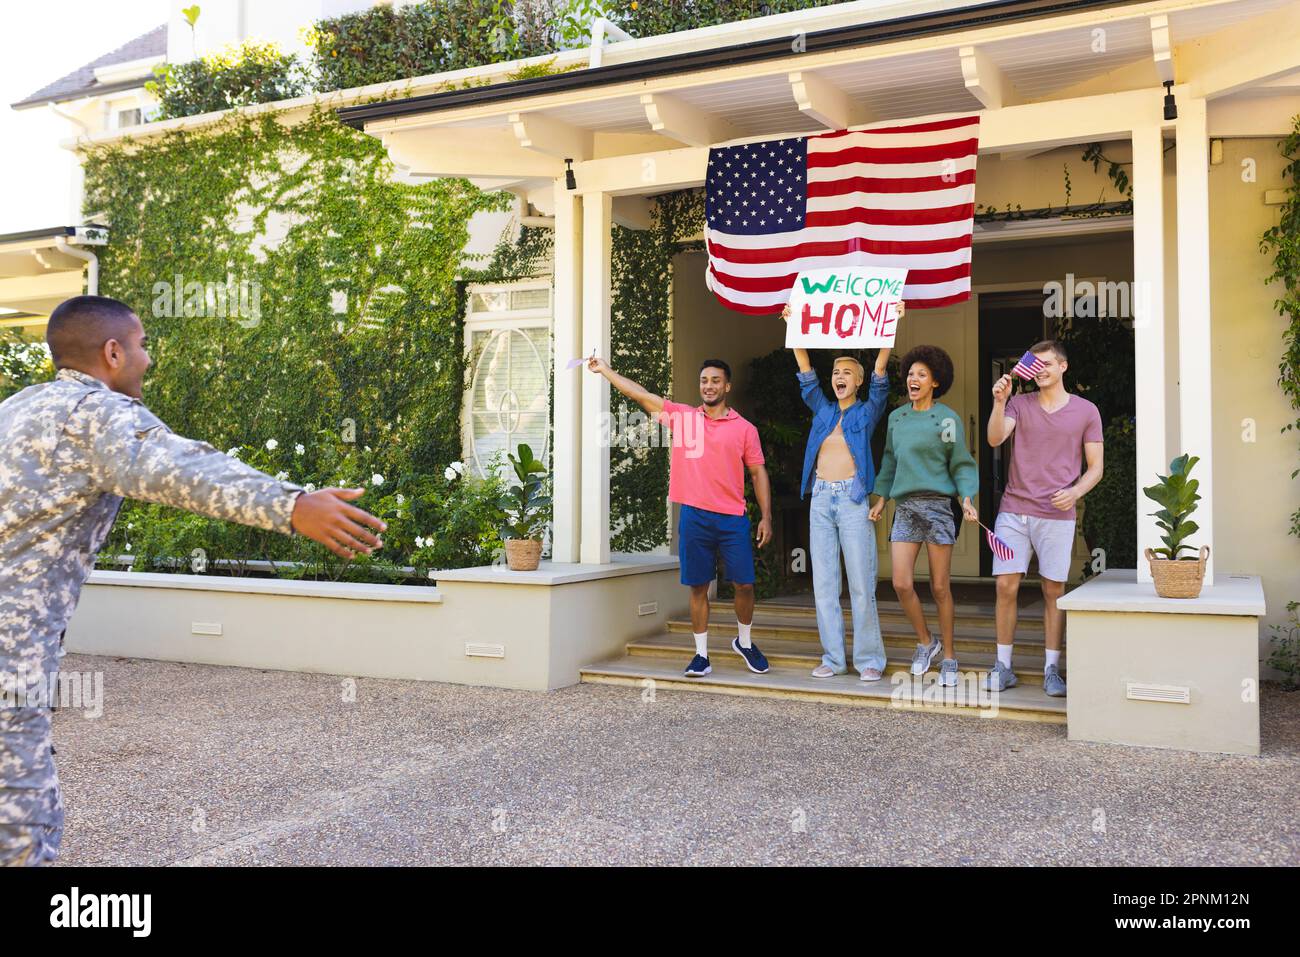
{"x":859,"y":422}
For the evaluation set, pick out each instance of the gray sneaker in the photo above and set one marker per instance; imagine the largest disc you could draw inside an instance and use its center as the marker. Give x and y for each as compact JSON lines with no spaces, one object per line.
{"x":1000,"y":678}
{"x":1053,"y":683}
{"x":948,"y":673}
{"x":924,"y":656}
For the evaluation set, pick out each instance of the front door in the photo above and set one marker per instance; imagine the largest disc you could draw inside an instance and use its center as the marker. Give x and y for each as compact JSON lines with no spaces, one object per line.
{"x":955,"y":329}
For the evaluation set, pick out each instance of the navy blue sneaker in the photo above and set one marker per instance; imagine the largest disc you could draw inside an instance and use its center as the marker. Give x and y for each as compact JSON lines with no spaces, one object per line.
{"x":753,"y":657}
{"x":699,"y":667}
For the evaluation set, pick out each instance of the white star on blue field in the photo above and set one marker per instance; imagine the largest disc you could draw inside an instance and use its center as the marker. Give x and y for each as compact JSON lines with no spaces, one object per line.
{"x":757,"y":188}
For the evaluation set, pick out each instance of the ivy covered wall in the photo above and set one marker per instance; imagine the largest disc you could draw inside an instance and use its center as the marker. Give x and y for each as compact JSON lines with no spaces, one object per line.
{"x":306,"y":311}
{"x":353,"y":314}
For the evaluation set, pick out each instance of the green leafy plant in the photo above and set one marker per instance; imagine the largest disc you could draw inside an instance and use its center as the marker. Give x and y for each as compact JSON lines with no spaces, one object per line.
{"x":525,"y":506}
{"x":1176,"y":495}
{"x":383,"y":44}
{"x":1108,"y":515}
{"x":1115,"y":171}
{"x":238,"y":76}
{"x":1285,"y":656}
{"x":22,"y":363}
{"x":1284,"y":242}
{"x":573,"y":24}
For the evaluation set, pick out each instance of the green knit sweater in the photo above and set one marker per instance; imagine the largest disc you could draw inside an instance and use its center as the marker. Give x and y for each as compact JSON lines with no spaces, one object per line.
{"x":926,"y":452}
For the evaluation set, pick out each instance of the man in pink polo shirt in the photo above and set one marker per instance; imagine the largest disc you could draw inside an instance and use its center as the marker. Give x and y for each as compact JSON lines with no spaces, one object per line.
{"x":712,"y":447}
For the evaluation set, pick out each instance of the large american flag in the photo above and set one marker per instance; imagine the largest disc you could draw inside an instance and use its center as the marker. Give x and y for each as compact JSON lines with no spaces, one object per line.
{"x":892,"y":196}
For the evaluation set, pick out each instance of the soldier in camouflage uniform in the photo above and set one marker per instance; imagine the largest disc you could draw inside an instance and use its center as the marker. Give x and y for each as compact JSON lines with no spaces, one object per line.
{"x":70,"y":451}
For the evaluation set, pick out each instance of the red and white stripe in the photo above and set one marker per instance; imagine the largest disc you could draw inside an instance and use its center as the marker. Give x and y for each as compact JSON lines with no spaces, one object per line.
{"x":875,"y":197}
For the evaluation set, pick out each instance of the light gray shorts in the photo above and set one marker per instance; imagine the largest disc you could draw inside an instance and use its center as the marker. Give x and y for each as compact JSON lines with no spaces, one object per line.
{"x":924,"y":517}
{"x":1051,"y":539}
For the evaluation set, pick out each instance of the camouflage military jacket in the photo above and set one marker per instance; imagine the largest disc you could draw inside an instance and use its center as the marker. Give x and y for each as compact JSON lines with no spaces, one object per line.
{"x":70,"y":451}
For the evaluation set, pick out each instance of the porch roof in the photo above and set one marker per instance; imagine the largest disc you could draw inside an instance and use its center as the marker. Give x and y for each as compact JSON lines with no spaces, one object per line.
{"x":37,"y":271}
{"x":891,"y":62}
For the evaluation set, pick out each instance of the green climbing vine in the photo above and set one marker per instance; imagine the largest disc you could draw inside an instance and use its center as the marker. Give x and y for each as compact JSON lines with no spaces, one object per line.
{"x":1283,"y":240}
{"x":642,"y":274}
{"x":305,"y":312}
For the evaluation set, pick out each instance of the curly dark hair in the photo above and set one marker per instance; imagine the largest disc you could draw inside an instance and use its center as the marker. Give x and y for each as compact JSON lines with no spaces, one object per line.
{"x":936,"y":360}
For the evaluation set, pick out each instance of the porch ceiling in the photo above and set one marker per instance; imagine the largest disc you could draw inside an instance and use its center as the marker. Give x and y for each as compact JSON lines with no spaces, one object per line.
{"x":1115,"y":49}
{"x":36,"y":274}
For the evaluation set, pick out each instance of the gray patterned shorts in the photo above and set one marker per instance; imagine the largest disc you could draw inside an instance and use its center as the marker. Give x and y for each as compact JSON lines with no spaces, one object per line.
{"x":924,"y":517}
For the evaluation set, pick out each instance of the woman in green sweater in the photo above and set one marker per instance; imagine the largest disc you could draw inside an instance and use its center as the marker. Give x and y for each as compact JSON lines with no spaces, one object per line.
{"x":925,"y":464}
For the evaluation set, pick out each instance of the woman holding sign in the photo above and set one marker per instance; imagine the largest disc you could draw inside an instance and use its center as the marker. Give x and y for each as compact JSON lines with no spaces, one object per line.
{"x":925,"y":464}
{"x":839,"y":472}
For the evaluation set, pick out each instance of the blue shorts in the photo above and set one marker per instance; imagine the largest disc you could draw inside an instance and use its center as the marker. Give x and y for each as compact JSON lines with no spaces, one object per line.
{"x":702,"y":535}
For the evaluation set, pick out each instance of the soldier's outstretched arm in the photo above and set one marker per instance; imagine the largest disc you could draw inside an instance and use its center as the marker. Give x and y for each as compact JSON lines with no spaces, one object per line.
{"x":133,"y":454}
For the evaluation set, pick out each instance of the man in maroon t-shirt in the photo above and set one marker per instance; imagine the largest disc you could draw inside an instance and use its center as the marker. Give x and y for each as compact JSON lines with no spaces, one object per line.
{"x":1054,"y":433}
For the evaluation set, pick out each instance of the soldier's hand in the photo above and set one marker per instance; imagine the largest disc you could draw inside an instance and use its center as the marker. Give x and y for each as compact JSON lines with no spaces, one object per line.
{"x":344,"y":529}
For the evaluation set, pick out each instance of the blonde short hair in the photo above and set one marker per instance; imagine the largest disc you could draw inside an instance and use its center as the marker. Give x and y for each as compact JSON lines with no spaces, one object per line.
{"x":862,"y":372}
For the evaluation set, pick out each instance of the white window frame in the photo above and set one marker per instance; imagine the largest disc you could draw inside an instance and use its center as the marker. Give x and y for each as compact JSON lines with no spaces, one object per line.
{"x":505,"y":319}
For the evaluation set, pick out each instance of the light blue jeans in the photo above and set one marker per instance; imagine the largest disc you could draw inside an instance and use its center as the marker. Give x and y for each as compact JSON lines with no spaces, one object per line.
{"x":837,"y":524}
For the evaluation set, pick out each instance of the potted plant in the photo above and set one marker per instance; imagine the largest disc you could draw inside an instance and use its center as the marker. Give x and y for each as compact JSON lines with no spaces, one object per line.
{"x":524,"y":509}
{"x":1175,"y":493}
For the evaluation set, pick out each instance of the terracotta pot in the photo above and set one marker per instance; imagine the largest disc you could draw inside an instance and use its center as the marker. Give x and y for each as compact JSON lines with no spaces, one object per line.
{"x":1178,"y":578}
{"x":523,"y":554}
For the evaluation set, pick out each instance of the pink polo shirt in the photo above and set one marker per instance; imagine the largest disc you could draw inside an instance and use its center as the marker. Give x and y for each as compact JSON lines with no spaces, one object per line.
{"x":709,"y":457}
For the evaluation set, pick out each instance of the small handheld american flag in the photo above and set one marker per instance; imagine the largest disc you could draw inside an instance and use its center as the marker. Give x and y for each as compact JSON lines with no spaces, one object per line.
{"x":1029,"y":366}
{"x":1001,"y":550}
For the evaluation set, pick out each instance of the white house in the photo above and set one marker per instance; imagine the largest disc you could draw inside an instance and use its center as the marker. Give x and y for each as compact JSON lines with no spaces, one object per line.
{"x":1194,"y":93}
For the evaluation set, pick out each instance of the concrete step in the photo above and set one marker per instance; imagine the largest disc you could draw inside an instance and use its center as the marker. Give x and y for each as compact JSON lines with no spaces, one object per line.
{"x":767,"y":627}
{"x":1028,"y":616}
{"x":730,"y":676}
{"x":1027,"y":665}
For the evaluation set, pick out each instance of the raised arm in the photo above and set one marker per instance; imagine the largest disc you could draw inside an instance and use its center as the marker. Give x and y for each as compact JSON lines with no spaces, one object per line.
{"x":882,"y":357}
{"x":800,"y":354}
{"x":1000,"y":424}
{"x":653,"y":404}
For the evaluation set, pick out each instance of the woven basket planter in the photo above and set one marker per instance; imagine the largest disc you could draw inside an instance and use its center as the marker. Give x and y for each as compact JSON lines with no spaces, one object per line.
{"x":1178,"y":578}
{"x":523,"y":554}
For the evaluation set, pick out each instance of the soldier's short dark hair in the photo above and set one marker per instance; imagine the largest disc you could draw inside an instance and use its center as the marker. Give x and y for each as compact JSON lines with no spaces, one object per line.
{"x":79,"y":327}
{"x":716,"y":364}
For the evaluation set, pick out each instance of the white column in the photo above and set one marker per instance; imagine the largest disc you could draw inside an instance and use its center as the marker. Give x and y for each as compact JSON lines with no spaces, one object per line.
{"x":1195,"y":363}
{"x":567,"y":427}
{"x":1148,"y":328}
{"x":597,"y":223}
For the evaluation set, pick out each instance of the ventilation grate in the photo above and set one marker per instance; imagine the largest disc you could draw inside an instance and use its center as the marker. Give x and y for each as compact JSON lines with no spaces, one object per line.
{"x":1174,"y":694}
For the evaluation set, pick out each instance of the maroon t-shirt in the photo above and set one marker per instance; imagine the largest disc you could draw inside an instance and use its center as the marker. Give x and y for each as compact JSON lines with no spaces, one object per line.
{"x":1046,"y":453}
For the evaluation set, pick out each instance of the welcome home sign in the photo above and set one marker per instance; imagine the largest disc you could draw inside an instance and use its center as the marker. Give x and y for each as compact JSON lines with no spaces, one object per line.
{"x":852,"y":307}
